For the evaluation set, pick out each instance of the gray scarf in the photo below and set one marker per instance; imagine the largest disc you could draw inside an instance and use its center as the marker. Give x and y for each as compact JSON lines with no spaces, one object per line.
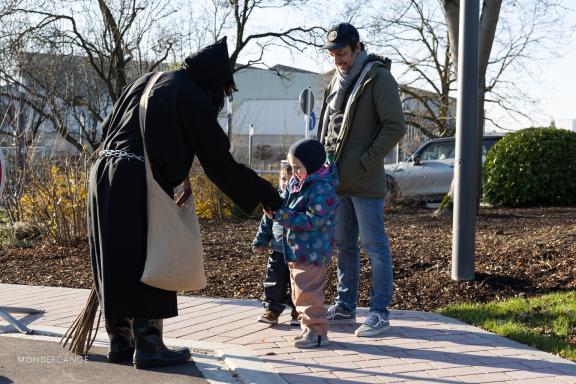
{"x":343,"y":81}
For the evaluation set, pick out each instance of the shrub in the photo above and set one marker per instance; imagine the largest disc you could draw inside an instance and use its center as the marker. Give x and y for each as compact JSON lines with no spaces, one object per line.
{"x":55,"y":199}
{"x":533,"y":166}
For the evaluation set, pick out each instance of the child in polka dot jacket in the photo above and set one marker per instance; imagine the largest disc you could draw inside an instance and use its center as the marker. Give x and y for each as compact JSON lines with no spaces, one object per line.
{"x":307,"y":218}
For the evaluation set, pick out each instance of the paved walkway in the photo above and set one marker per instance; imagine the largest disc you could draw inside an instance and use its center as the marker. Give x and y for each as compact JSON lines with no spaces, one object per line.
{"x":419,"y":348}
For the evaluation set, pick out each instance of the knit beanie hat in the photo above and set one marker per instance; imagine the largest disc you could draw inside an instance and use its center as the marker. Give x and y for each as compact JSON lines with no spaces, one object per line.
{"x":310,"y":152}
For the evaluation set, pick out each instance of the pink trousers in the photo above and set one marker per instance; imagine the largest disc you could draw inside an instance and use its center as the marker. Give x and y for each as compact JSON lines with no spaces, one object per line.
{"x":308,"y":283}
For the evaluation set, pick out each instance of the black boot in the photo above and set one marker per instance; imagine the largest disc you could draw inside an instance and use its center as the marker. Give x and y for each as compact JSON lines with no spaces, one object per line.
{"x":150,"y":349}
{"x":119,"y":331}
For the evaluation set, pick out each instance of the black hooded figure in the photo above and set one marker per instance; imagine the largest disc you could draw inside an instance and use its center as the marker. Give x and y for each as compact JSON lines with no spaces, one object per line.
{"x":181,"y":122}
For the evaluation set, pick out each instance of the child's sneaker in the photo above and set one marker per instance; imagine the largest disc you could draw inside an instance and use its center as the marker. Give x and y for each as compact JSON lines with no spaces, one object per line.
{"x":338,"y":315}
{"x":374,"y":325}
{"x":295,"y":320}
{"x":301,"y":335}
{"x":310,"y":339}
{"x":269,"y":317}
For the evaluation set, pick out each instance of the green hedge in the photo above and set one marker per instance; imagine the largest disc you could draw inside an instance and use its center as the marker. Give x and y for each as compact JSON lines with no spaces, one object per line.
{"x":530,"y":167}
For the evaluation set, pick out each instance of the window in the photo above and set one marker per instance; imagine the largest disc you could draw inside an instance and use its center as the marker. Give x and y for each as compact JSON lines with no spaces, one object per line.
{"x":438,"y":151}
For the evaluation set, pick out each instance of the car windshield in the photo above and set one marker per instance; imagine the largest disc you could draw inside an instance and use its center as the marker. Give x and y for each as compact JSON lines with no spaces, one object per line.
{"x":438,"y":151}
{"x":447,"y":149}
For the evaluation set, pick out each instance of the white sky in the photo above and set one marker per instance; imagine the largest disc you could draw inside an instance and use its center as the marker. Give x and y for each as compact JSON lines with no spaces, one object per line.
{"x":554,"y":89}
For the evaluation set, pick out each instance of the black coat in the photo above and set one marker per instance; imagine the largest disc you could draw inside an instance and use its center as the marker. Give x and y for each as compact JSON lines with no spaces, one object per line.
{"x":181,"y":123}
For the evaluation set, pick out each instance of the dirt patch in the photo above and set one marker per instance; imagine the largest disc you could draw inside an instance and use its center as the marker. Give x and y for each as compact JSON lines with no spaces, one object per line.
{"x":518,"y":252}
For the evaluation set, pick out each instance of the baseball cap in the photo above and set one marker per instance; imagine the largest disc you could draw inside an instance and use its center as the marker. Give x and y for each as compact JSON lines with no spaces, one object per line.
{"x":341,"y":35}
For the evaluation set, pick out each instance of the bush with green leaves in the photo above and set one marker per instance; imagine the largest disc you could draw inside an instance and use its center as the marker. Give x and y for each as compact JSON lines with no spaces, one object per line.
{"x":532,"y":167}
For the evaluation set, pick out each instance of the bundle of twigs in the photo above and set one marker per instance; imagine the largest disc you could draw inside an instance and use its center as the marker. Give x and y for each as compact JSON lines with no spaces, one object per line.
{"x":79,"y":335}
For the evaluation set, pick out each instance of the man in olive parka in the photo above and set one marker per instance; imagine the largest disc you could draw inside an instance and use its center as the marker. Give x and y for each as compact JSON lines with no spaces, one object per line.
{"x":181,"y":122}
{"x":361,"y":121}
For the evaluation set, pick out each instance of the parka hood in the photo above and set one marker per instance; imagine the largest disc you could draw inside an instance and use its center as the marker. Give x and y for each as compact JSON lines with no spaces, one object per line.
{"x":386,"y":62}
{"x":210,"y":66}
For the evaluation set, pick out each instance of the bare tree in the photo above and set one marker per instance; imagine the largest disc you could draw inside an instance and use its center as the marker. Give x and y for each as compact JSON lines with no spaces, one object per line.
{"x":88,"y":51}
{"x":512,"y":36}
{"x":422,"y":36}
{"x":236,"y":18}
{"x":416,"y":38}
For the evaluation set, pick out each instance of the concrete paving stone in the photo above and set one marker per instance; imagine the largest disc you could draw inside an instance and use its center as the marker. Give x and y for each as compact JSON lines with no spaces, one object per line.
{"x":539,"y":365}
{"x":456,"y":371}
{"x":413,"y":377}
{"x":289,"y":363}
{"x":540,"y":380}
{"x":334,"y":367}
{"x":401,"y":368}
{"x":280,"y":357}
{"x":314,"y":353}
{"x":214,"y":339}
{"x":294,"y":369}
{"x":566,"y":367}
{"x":304,"y":379}
{"x":376,"y":363}
{"x":274,"y":351}
{"x":355,"y":380}
{"x":571,"y":379}
{"x":498,"y":377}
{"x":338,"y":359}
{"x":356,"y":373}
{"x":257,"y":347}
{"x":531,"y":374}
{"x":501,"y":368}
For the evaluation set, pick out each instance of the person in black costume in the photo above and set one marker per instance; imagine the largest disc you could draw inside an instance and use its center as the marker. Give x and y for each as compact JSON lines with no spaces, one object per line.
{"x":181,"y":122}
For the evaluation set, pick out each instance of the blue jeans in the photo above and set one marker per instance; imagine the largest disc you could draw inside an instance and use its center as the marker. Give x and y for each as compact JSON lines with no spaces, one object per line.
{"x":365,"y":217}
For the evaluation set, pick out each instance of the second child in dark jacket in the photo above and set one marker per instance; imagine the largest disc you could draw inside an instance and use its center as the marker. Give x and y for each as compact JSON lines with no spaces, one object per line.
{"x":277,"y":283}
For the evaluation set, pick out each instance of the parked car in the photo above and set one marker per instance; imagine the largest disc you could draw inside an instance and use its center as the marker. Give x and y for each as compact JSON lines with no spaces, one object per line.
{"x":428,"y":173}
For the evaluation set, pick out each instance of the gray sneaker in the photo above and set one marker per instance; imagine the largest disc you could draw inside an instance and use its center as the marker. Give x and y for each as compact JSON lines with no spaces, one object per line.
{"x":374,"y":325}
{"x":310,"y":339}
{"x":338,"y":315}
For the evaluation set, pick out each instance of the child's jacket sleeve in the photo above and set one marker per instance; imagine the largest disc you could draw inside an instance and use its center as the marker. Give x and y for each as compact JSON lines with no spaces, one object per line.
{"x":264,"y":234}
{"x":320,"y":205}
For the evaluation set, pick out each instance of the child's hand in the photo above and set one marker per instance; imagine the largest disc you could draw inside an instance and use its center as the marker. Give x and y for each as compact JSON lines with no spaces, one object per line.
{"x":269,"y":213}
{"x":260,"y":250}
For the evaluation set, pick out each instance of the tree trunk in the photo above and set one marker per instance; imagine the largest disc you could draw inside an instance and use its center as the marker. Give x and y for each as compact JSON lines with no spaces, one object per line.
{"x":488,"y":24}
{"x":452,"y":16}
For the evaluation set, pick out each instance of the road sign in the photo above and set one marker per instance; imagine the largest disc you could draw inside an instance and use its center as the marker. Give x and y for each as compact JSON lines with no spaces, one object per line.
{"x":2,"y":171}
{"x":306,"y":101}
{"x":312,"y":121}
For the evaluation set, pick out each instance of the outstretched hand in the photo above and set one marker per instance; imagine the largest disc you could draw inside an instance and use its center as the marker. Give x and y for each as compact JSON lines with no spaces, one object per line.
{"x":270,"y":199}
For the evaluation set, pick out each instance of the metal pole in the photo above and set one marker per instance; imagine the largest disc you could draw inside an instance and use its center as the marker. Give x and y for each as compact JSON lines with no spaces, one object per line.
{"x":250,"y":134}
{"x":308,"y":116}
{"x":229,"y":116}
{"x":464,"y":216}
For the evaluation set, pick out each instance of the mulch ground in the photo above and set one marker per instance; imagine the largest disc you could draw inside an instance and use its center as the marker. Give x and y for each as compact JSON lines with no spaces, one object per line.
{"x":518,"y":252}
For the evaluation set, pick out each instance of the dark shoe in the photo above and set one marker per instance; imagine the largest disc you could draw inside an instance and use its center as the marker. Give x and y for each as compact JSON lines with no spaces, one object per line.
{"x":121,"y":340}
{"x":339,"y":315}
{"x":295,"y":320}
{"x":150,"y":349}
{"x":269,"y":317}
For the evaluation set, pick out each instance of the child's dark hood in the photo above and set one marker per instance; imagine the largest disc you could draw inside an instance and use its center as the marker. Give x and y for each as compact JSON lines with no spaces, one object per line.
{"x":210,"y":66}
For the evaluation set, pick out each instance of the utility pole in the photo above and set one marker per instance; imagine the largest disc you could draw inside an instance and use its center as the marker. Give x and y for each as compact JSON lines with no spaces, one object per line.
{"x":464,"y":216}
